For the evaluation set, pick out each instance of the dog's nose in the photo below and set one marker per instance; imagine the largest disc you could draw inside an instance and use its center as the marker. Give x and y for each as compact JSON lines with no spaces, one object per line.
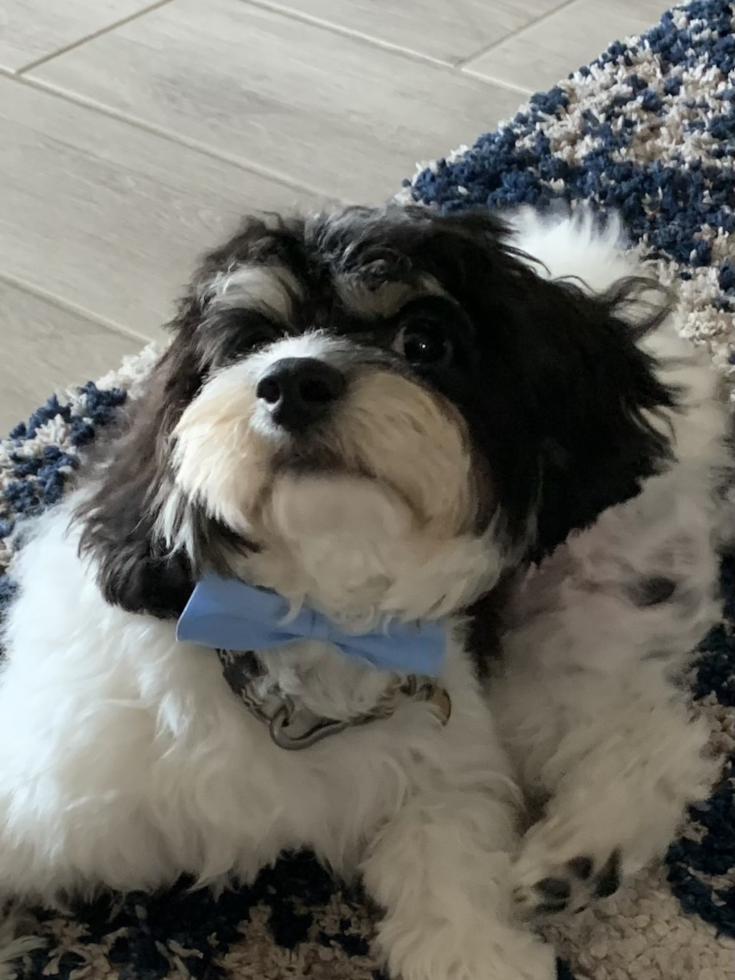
{"x":300,"y":390}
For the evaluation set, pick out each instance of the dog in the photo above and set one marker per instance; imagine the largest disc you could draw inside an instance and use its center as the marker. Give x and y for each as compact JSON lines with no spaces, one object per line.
{"x":485,"y":426}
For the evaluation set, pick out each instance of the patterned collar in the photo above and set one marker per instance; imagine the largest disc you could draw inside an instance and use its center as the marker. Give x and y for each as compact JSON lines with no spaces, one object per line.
{"x":292,"y":726}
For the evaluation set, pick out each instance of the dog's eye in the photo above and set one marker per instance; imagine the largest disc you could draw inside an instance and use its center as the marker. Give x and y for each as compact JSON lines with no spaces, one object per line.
{"x":236,"y":335}
{"x":424,"y":344}
{"x":252,"y":332}
{"x":260,"y":336}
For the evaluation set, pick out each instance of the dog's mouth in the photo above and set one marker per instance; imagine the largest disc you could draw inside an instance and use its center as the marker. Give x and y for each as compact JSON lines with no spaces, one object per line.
{"x":309,"y":455}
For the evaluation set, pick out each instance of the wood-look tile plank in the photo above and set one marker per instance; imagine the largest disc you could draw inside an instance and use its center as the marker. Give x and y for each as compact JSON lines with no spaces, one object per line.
{"x":33,"y":29}
{"x":543,"y":53}
{"x":329,"y":111}
{"x":106,"y":216}
{"x":447,"y":32}
{"x":46,"y":348}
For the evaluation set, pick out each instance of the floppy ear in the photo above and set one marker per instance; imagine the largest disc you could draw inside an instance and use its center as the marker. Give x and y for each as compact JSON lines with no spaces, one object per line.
{"x":562,"y":400}
{"x":598,"y":403}
{"x":134,"y":569}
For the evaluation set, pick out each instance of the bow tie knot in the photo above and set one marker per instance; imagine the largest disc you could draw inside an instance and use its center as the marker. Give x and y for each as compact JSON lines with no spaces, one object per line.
{"x":319,"y":627}
{"x":227,"y":614}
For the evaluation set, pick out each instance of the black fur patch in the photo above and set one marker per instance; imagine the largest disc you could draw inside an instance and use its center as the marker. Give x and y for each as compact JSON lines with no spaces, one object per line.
{"x":608,"y":880}
{"x":581,"y":867}
{"x":653,"y":591}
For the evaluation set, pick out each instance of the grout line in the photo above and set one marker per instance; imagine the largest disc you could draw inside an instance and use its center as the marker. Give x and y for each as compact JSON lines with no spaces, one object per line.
{"x":463,"y":62}
{"x":90,"y":37}
{"x":425,"y":59}
{"x":70,"y":307}
{"x":526,"y":93}
{"x":176,"y":138}
{"x":39,"y":83}
{"x":375,"y":42}
{"x":497,"y":82}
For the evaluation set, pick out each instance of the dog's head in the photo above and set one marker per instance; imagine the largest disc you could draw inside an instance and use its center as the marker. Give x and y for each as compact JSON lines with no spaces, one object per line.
{"x":378,"y":411}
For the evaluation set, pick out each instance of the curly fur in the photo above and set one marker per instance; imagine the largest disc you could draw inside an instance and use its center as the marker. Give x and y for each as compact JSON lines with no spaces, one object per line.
{"x":551,"y":488}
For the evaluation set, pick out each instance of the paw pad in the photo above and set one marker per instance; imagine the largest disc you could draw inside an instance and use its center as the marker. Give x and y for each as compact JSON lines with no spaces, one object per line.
{"x":608,"y":880}
{"x":571,"y":887}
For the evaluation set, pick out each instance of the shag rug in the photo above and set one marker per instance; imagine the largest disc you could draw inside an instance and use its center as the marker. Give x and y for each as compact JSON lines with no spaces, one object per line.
{"x":649,"y":130}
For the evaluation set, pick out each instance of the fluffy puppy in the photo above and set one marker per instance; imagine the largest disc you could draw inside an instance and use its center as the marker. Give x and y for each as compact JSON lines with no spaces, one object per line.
{"x":384,"y":414}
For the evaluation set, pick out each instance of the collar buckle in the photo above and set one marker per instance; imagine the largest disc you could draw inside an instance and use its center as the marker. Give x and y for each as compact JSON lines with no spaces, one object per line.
{"x":283,"y":717}
{"x":292,"y":726}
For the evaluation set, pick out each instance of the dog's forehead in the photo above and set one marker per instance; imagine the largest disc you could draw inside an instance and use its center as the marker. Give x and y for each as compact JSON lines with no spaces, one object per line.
{"x":268,"y":287}
{"x":357,"y":260}
{"x":366,"y":254}
{"x":383,"y":299}
{"x":275,"y":289}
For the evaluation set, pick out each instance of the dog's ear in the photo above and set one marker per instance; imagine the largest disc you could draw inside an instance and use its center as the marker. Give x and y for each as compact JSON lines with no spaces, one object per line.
{"x":562,"y":399}
{"x":135,"y":570}
{"x":601,"y":406}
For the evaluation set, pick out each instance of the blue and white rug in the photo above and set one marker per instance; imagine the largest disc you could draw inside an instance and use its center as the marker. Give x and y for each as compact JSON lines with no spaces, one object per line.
{"x":649,"y":130}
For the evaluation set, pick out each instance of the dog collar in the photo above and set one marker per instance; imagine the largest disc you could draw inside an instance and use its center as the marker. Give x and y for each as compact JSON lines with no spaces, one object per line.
{"x":292,"y":726}
{"x":237,"y":619}
{"x":227,"y":614}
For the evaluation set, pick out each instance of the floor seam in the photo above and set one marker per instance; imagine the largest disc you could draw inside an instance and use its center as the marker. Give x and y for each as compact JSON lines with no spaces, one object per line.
{"x":453,"y":68}
{"x":463,"y":64}
{"x":80,"y":42}
{"x":70,"y":307}
{"x":167,"y":134}
{"x":374,"y":42}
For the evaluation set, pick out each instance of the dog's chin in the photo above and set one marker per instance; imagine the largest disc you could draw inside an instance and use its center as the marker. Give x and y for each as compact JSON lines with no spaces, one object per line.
{"x":353,"y":547}
{"x":305,"y":506}
{"x":337,"y":540}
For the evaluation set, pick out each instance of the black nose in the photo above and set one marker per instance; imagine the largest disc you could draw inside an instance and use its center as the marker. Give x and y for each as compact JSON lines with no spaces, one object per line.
{"x":300,"y":390}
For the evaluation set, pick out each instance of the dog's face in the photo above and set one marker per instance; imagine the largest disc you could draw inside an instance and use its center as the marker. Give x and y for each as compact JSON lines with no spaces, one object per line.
{"x":378,"y":411}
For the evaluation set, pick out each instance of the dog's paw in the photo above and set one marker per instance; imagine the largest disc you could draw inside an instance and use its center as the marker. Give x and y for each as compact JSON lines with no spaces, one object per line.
{"x":549,"y":887}
{"x":443,"y":949}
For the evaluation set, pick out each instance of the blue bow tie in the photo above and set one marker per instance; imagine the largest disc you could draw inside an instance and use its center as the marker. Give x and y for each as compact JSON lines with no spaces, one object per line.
{"x":227,"y":614}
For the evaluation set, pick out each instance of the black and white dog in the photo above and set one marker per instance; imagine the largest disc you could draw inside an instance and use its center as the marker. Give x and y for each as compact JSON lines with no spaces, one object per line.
{"x":384,"y":416}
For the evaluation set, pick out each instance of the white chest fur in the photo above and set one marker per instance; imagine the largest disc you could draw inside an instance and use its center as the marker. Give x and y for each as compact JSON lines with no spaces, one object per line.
{"x":156,"y":749}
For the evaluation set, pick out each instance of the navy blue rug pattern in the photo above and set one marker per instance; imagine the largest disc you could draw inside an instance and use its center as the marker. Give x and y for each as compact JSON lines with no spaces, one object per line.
{"x":649,"y":131}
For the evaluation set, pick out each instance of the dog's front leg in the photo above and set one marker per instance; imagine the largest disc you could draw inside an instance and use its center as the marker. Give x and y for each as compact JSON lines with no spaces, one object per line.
{"x":440,"y":870}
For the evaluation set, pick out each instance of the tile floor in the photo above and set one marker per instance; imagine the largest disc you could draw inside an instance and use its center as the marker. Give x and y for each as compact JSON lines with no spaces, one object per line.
{"x":133,"y":134}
